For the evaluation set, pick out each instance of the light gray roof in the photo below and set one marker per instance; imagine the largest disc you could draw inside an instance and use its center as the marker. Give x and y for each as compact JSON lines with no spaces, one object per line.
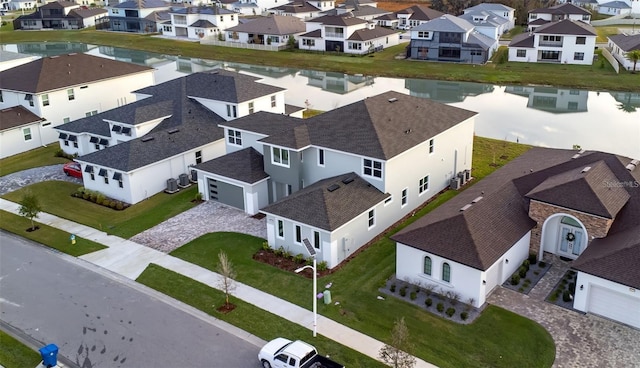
{"x":445,"y":23}
{"x":273,"y":25}
{"x":615,"y":4}
{"x":211,"y":10}
{"x":142,"y":4}
{"x":626,"y":42}
{"x":94,"y":124}
{"x":492,"y":7}
{"x":333,"y":202}
{"x":489,"y":19}
{"x":566,"y":8}
{"x":481,"y":40}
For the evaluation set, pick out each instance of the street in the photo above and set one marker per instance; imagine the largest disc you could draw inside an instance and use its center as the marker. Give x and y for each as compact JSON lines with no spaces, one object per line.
{"x":98,"y":321}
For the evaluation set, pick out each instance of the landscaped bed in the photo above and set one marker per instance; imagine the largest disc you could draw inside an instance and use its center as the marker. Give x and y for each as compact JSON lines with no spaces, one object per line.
{"x":527,"y":276}
{"x":564,"y":291}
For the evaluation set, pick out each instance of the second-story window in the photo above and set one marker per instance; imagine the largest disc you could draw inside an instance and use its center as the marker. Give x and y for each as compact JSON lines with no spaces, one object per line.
{"x":273,"y":101}
{"x":198,"y":157}
{"x":280,"y":156}
{"x":70,"y":94}
{"x":235,"y":137}
{"x":250,"y":107}
{"x":321,"y":157}
{"x":431,"y":145}
{"x":45,"y":100}
{"x":372,"y":168}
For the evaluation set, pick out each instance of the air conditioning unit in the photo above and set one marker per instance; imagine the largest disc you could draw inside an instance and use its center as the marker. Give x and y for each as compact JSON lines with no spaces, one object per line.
{"x":467,"y":175}
{"x":172,"y":185}
{"x":193,"y":176}
{"x":462,"y":177}
{"x":454,"y":183}
{"x":183,"y":180}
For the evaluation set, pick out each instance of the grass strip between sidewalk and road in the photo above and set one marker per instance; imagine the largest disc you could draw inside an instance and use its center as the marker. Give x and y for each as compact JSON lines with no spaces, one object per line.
{"x":14,"y":354}
{"x":258,"y":322}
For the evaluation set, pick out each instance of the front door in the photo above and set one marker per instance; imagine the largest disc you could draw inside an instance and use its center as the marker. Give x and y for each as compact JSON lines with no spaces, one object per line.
{"x":570,"y":242}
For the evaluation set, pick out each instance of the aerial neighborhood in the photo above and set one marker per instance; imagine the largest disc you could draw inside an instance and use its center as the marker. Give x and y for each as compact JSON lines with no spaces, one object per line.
{"x":329,"y":184}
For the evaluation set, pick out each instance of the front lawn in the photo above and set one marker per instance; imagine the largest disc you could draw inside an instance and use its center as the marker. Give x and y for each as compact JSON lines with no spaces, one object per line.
{"x":257,"y":321}
{"x":14,"y":354}
{"x":55,"y":198}
{"x":42,"y":156}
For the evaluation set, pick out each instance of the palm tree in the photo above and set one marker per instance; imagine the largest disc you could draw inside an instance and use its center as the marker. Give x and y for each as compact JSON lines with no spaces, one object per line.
{"x":633,"y":55}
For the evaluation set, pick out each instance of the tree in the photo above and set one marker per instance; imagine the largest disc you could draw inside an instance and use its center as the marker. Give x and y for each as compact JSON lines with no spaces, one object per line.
{"x":30,"y":208}
{"x":634,"y":56}
{"x":396,"y":354}
{"x":225,"y":269}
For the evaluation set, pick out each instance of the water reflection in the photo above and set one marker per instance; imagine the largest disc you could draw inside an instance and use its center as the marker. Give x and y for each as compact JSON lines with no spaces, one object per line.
{"x":541,"y":116}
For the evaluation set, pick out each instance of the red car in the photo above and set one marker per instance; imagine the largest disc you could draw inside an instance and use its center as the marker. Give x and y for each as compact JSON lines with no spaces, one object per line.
{"x":73,"y":169}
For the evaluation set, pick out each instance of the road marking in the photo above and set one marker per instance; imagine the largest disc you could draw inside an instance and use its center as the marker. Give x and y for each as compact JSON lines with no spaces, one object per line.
{"x":2,"y":300}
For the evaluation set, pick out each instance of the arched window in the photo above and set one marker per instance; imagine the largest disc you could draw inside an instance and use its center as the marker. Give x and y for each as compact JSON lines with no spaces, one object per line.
{"x":427,"y":266}
{"x":446,"y":272}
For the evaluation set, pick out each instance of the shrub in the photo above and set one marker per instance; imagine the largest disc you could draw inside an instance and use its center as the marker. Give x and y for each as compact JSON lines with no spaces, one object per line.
{"x":286,"y":254}
{"x":413,"y":295}
{"x":265,"y":245}
{"x":323,"y":266}
{"x":566,"y":296}
{"x":521,"y":289}
{"x":93,"y":196}
{"x":279,"y":251}
{"x":563,"y":282}
{"x":440,"y":307}
{"x":464,"y":316}
{"x":553,"y":298}
{"x":572,"y":288}
{"x":526,"y":263}
{"x":542,"y":264}
{"x":522,"y":271}
{"x":198,"y":196}
{"x":119,"y":206}
{"x":450,"y":311}
{"x":80,"y":190}
{"x":533,"y":258}
{"x":85,"y":195}
{"x":299,"y":258}
{"x":557,"y":292}
{"x":515,"y":279}
{"x":536,"y":273}
{"x":428,"y":302}
{"x":403,"y":291}
{"x":112,"y":204}
{"x":392,"y":288}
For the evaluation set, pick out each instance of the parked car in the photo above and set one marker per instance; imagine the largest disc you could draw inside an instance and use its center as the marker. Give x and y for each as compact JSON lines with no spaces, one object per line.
{"x":284,"y":353}
{"x":72,"y":169}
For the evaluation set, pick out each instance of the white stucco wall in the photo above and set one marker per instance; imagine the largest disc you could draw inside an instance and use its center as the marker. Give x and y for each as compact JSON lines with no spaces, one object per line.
{"x":12,"y":141}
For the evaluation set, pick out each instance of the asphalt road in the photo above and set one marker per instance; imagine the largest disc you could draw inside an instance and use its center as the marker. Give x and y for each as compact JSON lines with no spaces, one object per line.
{"x":99,"y":321}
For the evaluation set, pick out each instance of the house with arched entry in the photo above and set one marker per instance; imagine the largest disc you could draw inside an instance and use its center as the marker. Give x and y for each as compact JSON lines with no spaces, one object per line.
{"x":581,"y":206}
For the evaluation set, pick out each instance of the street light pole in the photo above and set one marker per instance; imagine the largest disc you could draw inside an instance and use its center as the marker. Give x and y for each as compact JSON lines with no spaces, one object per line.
{"x":315,"y":293}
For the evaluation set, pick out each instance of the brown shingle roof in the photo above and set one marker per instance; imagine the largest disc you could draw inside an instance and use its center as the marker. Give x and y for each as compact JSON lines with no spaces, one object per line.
{"x":338,"y":20}
{"x":64,"y":71}
{"x":566,"y":8}
{"x":567,"y":26}
{"x":522,"y":40}
{"x":626,"y":42}
{"x":421,"y":12}
{"x":17,"y":116}
{"x":370,"y":34}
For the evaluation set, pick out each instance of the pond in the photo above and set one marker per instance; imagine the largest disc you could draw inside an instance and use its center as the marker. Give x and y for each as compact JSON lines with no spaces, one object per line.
{"x":537,"y":115}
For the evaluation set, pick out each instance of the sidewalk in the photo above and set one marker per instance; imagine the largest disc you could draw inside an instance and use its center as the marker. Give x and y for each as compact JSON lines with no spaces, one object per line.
{"x":130,"y":259}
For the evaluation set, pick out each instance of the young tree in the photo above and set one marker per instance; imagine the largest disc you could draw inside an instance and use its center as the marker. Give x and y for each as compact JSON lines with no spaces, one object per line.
{"x":225,"y":268}
{"x":634,"y":56}
{"x":30,"y":208}
{"x":396,"y":354}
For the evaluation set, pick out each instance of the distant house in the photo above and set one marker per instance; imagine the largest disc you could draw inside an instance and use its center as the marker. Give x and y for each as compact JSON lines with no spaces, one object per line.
{"x":410,"y":17}
{"x":343,"y":177}
{"x":199,"y":22}
{"x":137,"y":16}
{"x":620,"y":45}
{"x":570,"y":204}
{"x":450,"y":38}
{"x":614,"y":8}
{"x":23,"y":4}
{"x":344,"y":33}
{"x":542,"y":16}
{"x":63,"y":88}
{"x":363,"y":9}
{"x":274,"y":30}
{"x":303,"y":9}
{"x":60,"y":15}
{"x":498,"y":10}
{"x":553,"y":100}
{"x":130,"y":152}
{"x":565,"y":41}
{"x":20,"y":131}
{"x":487,"y":23}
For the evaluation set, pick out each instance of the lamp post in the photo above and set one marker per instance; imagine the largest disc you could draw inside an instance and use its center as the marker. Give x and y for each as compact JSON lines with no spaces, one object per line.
{"x":315,"y":293}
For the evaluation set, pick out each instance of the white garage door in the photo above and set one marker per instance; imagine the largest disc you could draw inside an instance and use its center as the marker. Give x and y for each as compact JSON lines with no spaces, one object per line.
{"x":614,"y":305}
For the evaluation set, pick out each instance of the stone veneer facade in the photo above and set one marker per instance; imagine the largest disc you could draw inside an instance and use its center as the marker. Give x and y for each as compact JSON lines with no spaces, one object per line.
{"x":596,"y":226}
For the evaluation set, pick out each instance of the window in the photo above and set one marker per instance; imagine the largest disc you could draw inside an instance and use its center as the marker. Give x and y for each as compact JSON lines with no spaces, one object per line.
{"x":581,"y":40}
{"x":426,"y":268}
{"x":316,"y":239}
{"x":250,"y":107}
{"x":572,"y":106}
{"x":27,"y":134}
{"x":70,"y":94}
{"x":91,"y":113}
{"x":1,"y":97}
{"x":308,"y":42}
{"x":66,"y":120}
{"x":446,"y":272}
{"x":321,"y":157}
{"x":586,"y":17}
{"x":273,"y":101}
{"x":424,"y":34}
{"x":29,"y":97}
{"x":45,"y":100}
{"x":578,"y":56}
{"x":372,"y":168}
{"x":198,"y":157}
{"x":280,"y":156}
{"x":431,"y":145}
{"x":231,"y":111}
{"x":221,"y":18}
{"x":280,"y":229}
{"x":423,"y":186}
{"x":403,"y":201}
{"x":235,"y":137}
{"x":355,"y":46}
{"x":298,"y":234}
{"x":372,"y":218}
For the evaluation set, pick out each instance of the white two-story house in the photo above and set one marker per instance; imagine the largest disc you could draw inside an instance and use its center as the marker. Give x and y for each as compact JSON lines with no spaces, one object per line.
{"x":303,"y":9}
{"x":538,"y":17}
{"x":340,"y":178}
{"x":497,"y":10}
{"x":133,"y":16}
{"x":275,"y":30}
{"x":565,"y":41}
{"x":199,"y":22}
{"x":59,"y":89}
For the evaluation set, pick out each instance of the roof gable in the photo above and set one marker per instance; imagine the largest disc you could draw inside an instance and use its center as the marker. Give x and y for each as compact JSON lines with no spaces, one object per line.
{"x":16,"y":116}
{"x":445,"y":23}
{"x":626,"y":42}
{"x":246,"y":165}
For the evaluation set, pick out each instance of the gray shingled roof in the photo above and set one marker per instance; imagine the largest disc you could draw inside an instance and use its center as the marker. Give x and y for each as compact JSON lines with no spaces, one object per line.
{"x":567,"y":26}
{"x":421,"y":12}
{"x":273,"y":25}
{"x":367,"y":10}
{"x":489,"y":7}
{"x":489,"y":19}
{"x":480,"y":234}
{"x":316,"y":33}
{"x":566,"y":8}
{"x":94,"y":124}
{"x":338,"y":20}
{"x":615,"y":5}
{"x":445,"y":23}
{"x":64,"y":71}
{"x":523,"y":40}
{"x":583,"y":191}
{"x":58,"y":5}
{"x":142,"y":4}
{"x":246,"y":165}
{"x":17,"y":116}
{"x":370,"y":34}
{"x":212,"y":10}
{"x":87,"y":13}
{"x":202,"y":23}
{"x":626,"y":42}
{"x":296,"y":7}
{"x":482,"y":40}
{"x":316,"y":206}
{"x":264,"y":123}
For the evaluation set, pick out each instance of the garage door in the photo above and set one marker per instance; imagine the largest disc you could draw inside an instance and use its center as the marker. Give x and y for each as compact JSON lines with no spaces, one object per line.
{"x":614,"y":305}
{"x":226,"y":193}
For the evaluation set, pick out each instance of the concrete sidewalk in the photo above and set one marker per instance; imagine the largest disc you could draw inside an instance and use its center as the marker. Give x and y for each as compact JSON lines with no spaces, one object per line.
{"x":130,"y":259}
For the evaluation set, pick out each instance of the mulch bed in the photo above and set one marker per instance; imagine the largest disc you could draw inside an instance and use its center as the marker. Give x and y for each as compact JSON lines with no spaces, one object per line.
{"x":287,"y":264}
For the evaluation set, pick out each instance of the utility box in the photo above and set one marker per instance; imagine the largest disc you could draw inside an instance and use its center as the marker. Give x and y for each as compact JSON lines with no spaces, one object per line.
{"x":49,"y":355}
{"x":327,"y":296}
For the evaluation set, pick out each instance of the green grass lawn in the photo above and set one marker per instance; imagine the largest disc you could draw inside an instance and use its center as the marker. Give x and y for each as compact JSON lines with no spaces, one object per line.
{"x":14,"y":354}
{"x":378,"y":64}
{"x":246,"y":316}
{"x":55,"y":198}
{"x":47,"y":235}
{"x":42,"y":156}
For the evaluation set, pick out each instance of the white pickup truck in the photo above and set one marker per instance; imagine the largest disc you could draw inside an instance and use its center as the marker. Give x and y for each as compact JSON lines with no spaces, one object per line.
{"x":284,"y":353}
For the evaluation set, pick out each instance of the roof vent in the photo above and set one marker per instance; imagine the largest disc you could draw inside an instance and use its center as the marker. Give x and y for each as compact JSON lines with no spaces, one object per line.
{"x":586,"y":169}
{"x":392,"y":100}
{"x":630,"y":167}
{"x":174,"y":130}
{"x":146,"y":139}
{"x":348,"y":180}
{"x":635,"y":162}
{"x":407,"y":131}
{"x":477,"y":199}
{"x":333,"y":187}
{"x":466,"y":207}
{"x":575,"y":156}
